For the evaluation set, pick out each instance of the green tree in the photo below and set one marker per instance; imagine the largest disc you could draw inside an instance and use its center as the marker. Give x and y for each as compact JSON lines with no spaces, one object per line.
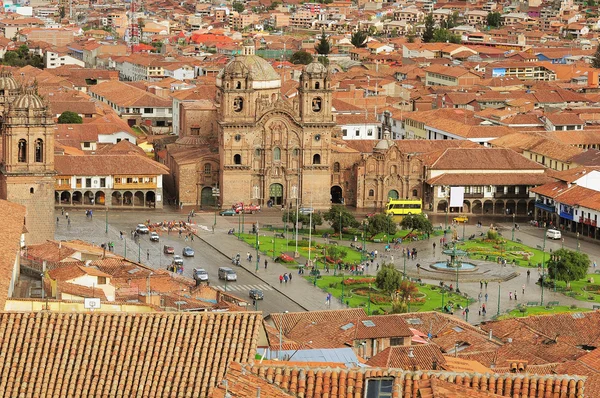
{"x":567,"y":265}
{"x":410,"y":36}
{"x":317,"y":219}
{"x":68,"y":117}
{"x":429,"y":28}
{"x":493,"y":19}
{"x":381,"y":223}
{"x":336,"y":252}
{"x":301,"y":57}
{"x":416,"y":222}
{"x":595,"y":61}
{"x":238,"y":6}
{"x":359,"y":39}
{"x":388,"y":280}
{"x":11,"y":58}
{"x":340,"y":214}
{"x":323,"y":47}
{"x":23,"y":51}
{"x":407,"y":290}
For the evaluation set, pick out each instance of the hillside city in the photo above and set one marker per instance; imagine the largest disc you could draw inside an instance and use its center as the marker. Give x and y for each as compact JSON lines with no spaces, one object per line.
{"x":258,"y":198}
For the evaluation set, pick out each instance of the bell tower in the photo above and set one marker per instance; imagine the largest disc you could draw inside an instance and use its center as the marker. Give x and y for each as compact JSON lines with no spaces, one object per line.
{"x":315,"y":93}
{"x":27,"y":167}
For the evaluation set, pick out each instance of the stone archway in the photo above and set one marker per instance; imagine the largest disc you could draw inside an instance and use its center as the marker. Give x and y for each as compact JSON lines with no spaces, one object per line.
{"x":488,"y":207}
{"x":77,"y":198}
{"x":441,"y":206}
{"x":499,"y":207}
{"x":477,"y":207}
{"x":336,"y":195}
{"x":88,"y":196}
{"x":150,"y":199}
{"x":531,"y":207}
{"x":100,"y":198}
{"x":56,"y":197}
{"x":138,"y":198}
{"x":521,"y":207}
{"x":511,"y":207}
{"x":276,"y":194}
{"x":466,"y":206}
{"x":128,"y":198}
{"x":116,"y":199}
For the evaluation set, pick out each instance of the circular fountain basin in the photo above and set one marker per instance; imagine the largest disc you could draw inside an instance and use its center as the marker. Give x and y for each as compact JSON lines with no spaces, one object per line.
{"x":464,"y":267}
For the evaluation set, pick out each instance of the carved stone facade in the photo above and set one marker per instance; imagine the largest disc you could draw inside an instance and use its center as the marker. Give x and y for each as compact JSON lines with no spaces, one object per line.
{"x":27,"y":167}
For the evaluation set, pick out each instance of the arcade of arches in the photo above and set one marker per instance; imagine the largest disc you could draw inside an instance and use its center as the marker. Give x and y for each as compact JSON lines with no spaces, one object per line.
{"x":490,"y":207}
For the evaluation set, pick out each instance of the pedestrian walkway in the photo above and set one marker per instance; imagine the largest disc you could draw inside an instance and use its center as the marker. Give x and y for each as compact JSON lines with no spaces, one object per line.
{"x":241,"y":288}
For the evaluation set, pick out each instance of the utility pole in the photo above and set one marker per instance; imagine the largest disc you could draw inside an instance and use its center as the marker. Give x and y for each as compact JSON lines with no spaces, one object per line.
{"x":543,"y":261}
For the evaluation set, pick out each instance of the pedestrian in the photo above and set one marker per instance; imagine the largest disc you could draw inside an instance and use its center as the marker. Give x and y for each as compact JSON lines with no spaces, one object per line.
{"x":510,"y":295}
{"x":483,"y":309}
{"x":192,"y":236}
{"x":595,"y":265}
{"x":528,"y":273}
{"x":280,"y":278}
{"x":486,"y":282}
{"x":180,"y":234}
{"x":258,"y":257}
{"x":266,"y":263}
{"x":515,"y":294}
{"x":67,"y":215}
{"x":434,"y":246}
{"x":378,"y":266}
{"x":486,"y":297}
{"x":290,"y":276}
{"x":285,"y":278}
{"x":481,"y":284}
{"x":69,"y":222}
{"x":121,"y":235}
{"x":185,"y":237}
{"x":479,"y":311}
{"x":479,"y":297}
{"x":523,"y":287}
{"x":148,"y":254}
{"x":248,"y":256}
{"x":56,"y":220}
{"x":62,"y":211}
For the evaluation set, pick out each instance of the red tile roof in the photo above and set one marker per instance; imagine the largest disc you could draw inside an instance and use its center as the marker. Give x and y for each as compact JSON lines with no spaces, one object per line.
{"x":101,"y":354}
{"x":12,"y":216}
{"x":108,"y":165}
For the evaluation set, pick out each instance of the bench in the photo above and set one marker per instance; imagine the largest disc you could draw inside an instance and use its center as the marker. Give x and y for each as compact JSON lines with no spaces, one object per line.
{"x":333,"y":242}
{"x":539,"y":247}
{"x":268,"y":226}
{"x":597,"y":271}
{"x":553,"y":304}
{"x":377,"y":240}
{"x":519,"y":240}
{"x":280,"y":235}
{"x":305,"y":239}
{"x":532,"y":303}
{"x":596,"y":307}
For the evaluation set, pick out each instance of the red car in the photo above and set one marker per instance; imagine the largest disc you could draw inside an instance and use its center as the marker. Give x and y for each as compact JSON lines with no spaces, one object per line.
{"x":168,"y":249}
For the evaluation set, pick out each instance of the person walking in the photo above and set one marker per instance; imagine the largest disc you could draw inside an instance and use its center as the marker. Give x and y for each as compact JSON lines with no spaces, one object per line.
{"x":148,"y":254}
{"x":68,"y":222}
{"x":510,"y":295}
{"x":486,"y":297}
{"x":479,"y":297}
{"x":290,"y":277}
{"x":248,"y":256}
{"x":280,"y":279}
{"x":285,"y":278}
{"x":67,"y":215}
{"x":434,"y":247}
{"x":266,"y":263}
{"x":523,"y":287}
{"x":515,"y":294}
{"x":56,"y":220}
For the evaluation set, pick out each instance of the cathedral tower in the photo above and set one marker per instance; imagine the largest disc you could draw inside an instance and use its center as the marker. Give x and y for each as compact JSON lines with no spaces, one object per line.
{"x":27,"y":167}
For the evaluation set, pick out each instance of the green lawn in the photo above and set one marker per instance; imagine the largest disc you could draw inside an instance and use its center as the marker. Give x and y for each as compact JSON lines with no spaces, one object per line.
{"x":539,"y":310}
{"x":582,"y":290}
{"x":513,"y":251}
{"x":430,"y":298}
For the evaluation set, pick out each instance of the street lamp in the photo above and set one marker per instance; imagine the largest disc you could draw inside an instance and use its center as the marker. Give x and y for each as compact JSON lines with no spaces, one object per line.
{"x":139,"y":251}
{"x":513,"y":228}
{"x":404,"y":257}
{"x":455,"y":266}
{"x":273,"y":248}
{"x":442,"y":291}
{"x":256,"y":270}
{"x":364,"y":245}
{"x":343,"y":279}
{"x":578,"y":244}
{"x":239,"y":226}
{"x":543,"y":261}
{"x":280,"y":330}
{"x":106,"y":231}
{"x":369,"y":302}
{"x":498,"y":298}
{"x":216,"y":193}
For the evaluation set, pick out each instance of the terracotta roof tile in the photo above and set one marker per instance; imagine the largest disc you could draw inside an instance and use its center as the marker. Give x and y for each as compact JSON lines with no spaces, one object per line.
{"x":483,"y":159}
{"x":108,"y":165}
{"x":423,"y":357}
{"x":12,"y":216}
{"x":490,"y":179}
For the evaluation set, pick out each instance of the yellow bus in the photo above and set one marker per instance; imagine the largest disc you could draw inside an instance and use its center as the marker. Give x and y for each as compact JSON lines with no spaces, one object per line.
{"x":401,"y":207}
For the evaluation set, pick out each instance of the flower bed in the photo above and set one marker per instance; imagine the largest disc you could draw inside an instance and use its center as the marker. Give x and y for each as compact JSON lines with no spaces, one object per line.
{"x":361,"y":281}
{"x":284,"y":258}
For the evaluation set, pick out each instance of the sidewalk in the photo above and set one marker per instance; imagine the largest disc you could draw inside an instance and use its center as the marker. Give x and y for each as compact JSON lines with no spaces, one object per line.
{"x":299,"y":290}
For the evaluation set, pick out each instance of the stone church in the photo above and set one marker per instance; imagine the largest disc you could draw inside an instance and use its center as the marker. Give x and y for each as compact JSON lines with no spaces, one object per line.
{"x":27,"y":161}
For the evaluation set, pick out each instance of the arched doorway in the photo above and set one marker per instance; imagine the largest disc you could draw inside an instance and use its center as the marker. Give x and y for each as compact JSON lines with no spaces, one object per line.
{"x":530,"y":207}
{"x":138,"y":199}
{"x":76,"y":198}
{"x":499,"y":208}
{"x":88,"y":196}
{"x":116,"y":199}
{"x":393,"y":194}
{"x":477,"y":207}
{"x":100,"y":199}
{"x":511,"y":207}
{"x":488,"y":207}
{"x":56,"y":197}
{"x":336,"y":194}
{"x":521,"y":207}
{"x":466,"y":206}
{"x":206,"y":197}
{"x":128,"y":198}
{"x":441,"y":207}
{"x":276,"y":194}
{"x":150,"y":199}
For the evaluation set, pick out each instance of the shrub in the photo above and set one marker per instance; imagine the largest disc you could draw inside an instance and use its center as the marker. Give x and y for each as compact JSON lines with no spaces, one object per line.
{"x":492,"y":235}
{"x":573,"y":306}
{"x":284,"y":258}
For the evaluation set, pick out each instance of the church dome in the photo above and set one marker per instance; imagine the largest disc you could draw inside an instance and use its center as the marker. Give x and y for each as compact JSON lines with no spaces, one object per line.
{"x":257,"y":67}
{"x":7,"y":82}
{"x":28,"y":100}
{"x":315,"y":67}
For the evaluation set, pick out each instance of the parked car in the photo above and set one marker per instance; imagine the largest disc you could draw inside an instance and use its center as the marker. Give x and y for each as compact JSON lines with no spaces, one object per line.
{"x":228,"y":212}
{"x":256,"y":294}
{"x":553,"y":234}
{"x":142,"y":229}
{"x":177,"y":260}
{"x":168,"y":249}
{"x":200,"y":274}
{"x":227,"y":273}
{"x":187,"y":252}
{"x":306,"y":210}
{"x":250,"y":209}
{"x":154,"y":237}
{"x":461,"y":218}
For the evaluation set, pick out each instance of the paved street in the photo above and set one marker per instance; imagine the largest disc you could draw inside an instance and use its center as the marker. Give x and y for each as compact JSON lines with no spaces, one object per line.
{"x":215,"y":249}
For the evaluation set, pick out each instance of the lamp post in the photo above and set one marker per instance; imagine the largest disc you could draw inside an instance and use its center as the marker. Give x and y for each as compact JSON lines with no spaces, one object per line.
{"x":443,"y":291}
{"x":369,"y":302}
{"x":239,"y":226}
{"x":364,"y":245}
{"x":273,"y":248}
{"x":404,"y":257}
{"x":498,"y":298}
{"x":464,"y":223}
{"x":106,"y":231}
{"x":280,"y":330}
{"x":243,"y":220}
{"x":543,"y":261}
{"x":216,"y":193}
{"x":139,"y":251}
{"x":343,"y":279}
{"x":578,"y":244}
{"x":340,"y":225}
{"x":467,"y":312}
{"x":256,"y":270}
{"x":125,"y":247}
{"x":455,"y":266}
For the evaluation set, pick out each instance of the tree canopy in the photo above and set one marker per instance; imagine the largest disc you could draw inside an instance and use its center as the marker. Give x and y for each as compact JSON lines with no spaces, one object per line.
{"x":388,"y":279}
{"x":381,"y":223}
{"x":238,"y":6}
{"x":568,"y":265}
{"x":69,"y":117}
{"x":493,"y":19}
{"x":301,"y":57}
{"x":429,"y":29}
{"x":323,"y":46}
{"x":359,"y":39}
{"x":340,"y":214}
{"x":416,"y":222}
{"x":22,"y":57}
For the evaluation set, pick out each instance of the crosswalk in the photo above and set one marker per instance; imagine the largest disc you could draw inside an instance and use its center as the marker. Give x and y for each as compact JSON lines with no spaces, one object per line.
{"x":233,"y":286}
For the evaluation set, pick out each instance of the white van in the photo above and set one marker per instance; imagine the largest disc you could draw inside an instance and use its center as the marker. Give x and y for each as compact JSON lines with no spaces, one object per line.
{"x":553,"y":234}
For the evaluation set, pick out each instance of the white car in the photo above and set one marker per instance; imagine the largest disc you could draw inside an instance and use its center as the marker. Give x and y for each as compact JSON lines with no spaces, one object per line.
{"x":553,"y":234}
{"x":142,"y":229}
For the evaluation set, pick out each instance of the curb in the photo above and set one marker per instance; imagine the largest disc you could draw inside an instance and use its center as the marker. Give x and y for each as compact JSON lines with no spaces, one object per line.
{"x":254,"y":273}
